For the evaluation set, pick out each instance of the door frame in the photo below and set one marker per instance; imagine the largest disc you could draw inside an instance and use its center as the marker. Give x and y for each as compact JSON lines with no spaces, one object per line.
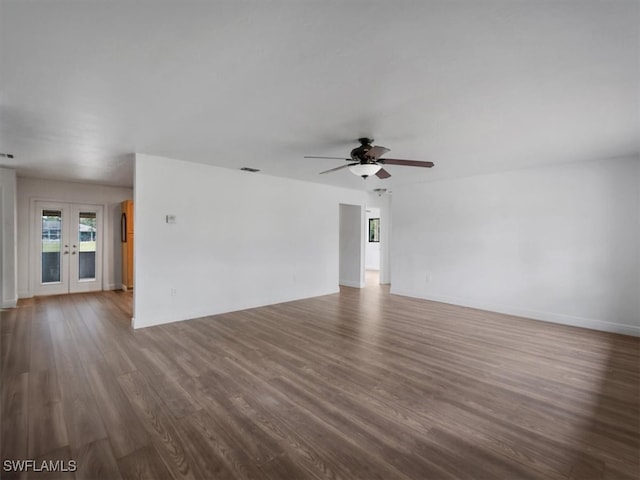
{"x":34,"y":237}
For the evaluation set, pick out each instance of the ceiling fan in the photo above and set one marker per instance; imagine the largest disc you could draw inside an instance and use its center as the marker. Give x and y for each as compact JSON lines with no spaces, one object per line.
{"x":365,"y":160}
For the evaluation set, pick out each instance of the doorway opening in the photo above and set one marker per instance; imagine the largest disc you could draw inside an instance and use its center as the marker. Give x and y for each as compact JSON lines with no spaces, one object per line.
{"x":372,"y":244}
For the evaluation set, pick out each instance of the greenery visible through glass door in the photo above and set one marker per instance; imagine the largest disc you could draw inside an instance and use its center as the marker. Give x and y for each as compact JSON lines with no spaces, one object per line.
{"x":374,"y":229}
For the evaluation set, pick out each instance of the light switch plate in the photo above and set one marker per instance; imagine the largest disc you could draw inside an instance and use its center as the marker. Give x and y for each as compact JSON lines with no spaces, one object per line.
{"x":171,"y":219}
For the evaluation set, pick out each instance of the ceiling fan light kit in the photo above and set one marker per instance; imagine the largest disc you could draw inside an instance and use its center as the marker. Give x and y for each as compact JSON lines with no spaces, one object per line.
{"x":365,"y":160}
{"x":365,"y":170}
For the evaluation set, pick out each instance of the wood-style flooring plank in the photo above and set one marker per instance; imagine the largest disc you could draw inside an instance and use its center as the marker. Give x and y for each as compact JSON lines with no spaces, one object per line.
{"x":123,"y":427}
{"x":143,"y":464}
{"x":178,"y":401}
{"x":47,"y":429}
{"x":119,"y":361}
{"x":14,"y":416}
{"x":96,"y":460}
{"x":42,"y":357}
{"x":222,"y":407}
{"x":18,"y":354}
{"x":8,"y":320}
{"x":82,"y":418}
{"x":161,"y":428}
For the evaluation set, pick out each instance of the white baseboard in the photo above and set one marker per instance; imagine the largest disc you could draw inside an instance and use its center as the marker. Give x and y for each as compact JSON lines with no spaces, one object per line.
{"x":112,"y":286}
{"x":349,"y":283}
{"x":24,"y":295}
{"x":551,"y":317}
{"x":10,"y":303}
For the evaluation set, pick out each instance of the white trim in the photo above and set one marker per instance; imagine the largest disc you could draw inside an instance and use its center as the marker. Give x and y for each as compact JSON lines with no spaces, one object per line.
{"x":8,"y":237}
{"x":348,"y":283}
{"x":24,"y":295}
{"x":13,"y":303}
{"x":112,"y":286}
{"x":560,"y":318}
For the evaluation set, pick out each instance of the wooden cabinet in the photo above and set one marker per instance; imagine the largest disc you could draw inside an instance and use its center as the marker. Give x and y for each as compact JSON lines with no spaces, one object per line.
{"x":126,"y":237}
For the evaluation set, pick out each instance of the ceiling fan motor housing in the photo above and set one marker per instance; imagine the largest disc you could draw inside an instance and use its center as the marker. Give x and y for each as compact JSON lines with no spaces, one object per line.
{"x":359,"y":154}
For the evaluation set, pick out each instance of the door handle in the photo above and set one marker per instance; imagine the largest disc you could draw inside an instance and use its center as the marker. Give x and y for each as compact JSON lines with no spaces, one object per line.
{"x":123,"y":227}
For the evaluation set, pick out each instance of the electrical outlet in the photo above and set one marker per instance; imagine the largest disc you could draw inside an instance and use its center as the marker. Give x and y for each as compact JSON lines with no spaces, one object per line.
{"x":173,"y":292}
{"x":427,"y":278}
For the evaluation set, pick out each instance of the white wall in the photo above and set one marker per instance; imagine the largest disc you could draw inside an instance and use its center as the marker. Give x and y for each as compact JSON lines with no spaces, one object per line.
{"x":2,"y":244}
{"x":30,"y":189}
{"x":351,"y":251}
{"x":8,"y":244}
{"x":240,"y":240}
{"x":372,"y":249}
{"x":559,"y":243}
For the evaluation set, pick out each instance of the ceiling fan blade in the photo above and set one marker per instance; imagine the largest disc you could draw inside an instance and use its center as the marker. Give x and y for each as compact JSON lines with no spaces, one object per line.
{"x":377,"y":151}
{"x":406,"y":163}
{"x":330,"y":158}
{"x":382,"y":173}
{"x":338,"y":168}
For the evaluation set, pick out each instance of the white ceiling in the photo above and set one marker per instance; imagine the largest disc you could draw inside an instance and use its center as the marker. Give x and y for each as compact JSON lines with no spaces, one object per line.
{"x":473,"y":86}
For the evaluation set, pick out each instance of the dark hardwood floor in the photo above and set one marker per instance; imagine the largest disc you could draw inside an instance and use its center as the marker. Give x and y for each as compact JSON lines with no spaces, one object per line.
{"x":357,"y":385}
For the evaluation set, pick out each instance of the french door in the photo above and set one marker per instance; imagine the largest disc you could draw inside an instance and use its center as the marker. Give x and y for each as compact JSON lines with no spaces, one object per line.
{"x":68,"y":248}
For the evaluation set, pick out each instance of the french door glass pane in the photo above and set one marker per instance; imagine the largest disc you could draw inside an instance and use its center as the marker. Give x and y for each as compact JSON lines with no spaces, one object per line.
{"x":51,"y":243}
{"x":87,"y":246}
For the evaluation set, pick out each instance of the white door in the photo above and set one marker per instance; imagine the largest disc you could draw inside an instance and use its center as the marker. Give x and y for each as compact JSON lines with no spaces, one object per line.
{"x":68,"y":248}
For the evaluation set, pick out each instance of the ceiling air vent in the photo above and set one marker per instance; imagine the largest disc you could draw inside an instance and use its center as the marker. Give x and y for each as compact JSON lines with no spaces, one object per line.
{"x":249,"y":169}
{"x":6,"y":155}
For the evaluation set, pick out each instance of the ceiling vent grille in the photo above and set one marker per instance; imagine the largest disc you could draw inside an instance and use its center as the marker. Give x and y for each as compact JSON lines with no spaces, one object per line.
{"x":249,"y":169}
